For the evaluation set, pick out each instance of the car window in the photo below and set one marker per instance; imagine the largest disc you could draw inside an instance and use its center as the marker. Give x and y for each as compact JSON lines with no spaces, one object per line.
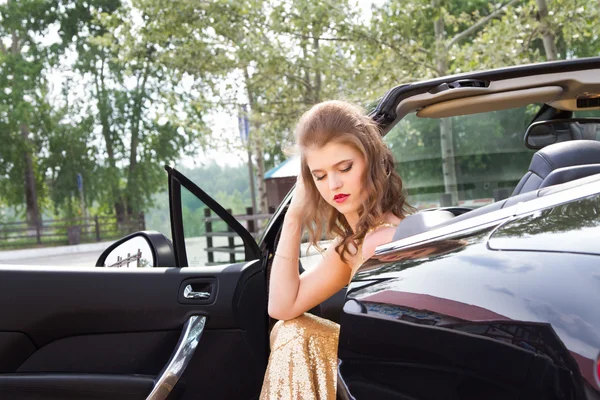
{"x":208,"y":239}
{"x":587,"y":114}
{"x":488,"y":160}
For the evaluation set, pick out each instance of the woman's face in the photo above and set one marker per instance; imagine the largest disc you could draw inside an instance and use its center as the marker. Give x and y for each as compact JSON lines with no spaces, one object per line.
{"x":337,"y":170}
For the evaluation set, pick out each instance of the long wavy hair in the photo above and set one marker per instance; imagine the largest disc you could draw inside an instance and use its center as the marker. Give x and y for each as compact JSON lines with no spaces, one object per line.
{"x":341,"y":122}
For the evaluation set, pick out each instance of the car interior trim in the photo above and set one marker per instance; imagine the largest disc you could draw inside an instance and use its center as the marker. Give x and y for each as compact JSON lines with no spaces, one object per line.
{"x":188,"y":341}
{"x":572,"y":83}
{"x":490,"y":102}
{"x":177,"y":232}
{"x":73,"y":386}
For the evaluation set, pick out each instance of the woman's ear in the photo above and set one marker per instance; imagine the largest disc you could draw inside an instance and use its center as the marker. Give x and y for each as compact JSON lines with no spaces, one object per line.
{"x":387,"y":168}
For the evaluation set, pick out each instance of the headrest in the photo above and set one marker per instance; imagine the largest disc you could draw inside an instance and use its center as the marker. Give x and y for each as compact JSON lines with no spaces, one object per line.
{"x":421,"y":222}
{"x":567,"y":174}
{"x":564,"y":154}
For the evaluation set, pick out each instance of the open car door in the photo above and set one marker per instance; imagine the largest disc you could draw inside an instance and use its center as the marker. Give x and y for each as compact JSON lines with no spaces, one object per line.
{"x":182,"y":329}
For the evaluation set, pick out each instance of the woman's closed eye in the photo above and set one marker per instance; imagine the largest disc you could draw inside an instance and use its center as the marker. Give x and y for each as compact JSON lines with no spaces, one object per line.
{"x":320,"y":178}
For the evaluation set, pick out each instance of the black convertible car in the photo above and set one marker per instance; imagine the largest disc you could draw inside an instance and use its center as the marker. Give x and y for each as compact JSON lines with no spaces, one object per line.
{"x":490,"y":291}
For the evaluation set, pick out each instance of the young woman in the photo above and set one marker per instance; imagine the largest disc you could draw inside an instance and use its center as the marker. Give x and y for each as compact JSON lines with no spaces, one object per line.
{"x":348,"y":189}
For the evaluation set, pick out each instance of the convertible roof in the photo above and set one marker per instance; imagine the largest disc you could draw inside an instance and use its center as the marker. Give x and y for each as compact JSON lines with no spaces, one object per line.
{"x":559,"y":83}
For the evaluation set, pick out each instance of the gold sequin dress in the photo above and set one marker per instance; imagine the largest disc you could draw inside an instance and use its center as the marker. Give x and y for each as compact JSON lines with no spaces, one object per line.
{"x":303,"y":362}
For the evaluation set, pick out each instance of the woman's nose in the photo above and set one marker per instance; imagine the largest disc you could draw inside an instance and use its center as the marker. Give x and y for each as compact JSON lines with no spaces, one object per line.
{"x":335,"y":182}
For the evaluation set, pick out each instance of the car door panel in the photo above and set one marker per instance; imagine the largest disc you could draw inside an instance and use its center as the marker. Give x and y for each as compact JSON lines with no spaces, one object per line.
{"x":112,"y":333}
{"x":74,"y":386}
{"x":93,"y":300}
{"x":64,"y":322}
{"x":15,"y":348}
{"x":138,"y":352}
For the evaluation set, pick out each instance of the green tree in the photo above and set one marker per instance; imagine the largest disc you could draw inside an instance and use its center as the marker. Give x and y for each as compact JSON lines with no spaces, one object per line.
{"x":42,"y":138}
{"x":71,"y":153}
{"x":145,"y":113}
{"x":533,"y":31}
{"x":23,"y":107}
{"x":277,"y":57}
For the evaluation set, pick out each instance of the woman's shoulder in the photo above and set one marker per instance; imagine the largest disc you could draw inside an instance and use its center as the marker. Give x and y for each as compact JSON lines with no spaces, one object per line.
{"x":379,"y":234}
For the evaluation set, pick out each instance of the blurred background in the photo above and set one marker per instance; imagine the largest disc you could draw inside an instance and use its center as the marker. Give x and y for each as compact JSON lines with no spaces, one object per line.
{"x":96,"y":96}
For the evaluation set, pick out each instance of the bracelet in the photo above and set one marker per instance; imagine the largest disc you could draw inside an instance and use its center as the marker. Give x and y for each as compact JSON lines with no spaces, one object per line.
{"x":286,"y":258}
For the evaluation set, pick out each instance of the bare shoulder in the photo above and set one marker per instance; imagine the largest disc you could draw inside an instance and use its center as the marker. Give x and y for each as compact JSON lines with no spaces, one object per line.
{"x":380,"y":235}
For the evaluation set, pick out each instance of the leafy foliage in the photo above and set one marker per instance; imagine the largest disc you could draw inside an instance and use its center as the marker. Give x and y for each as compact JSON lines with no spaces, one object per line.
{"x":140,"y":78}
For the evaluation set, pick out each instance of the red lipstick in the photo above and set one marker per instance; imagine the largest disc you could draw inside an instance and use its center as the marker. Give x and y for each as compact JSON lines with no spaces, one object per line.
{"x":340,"y":198}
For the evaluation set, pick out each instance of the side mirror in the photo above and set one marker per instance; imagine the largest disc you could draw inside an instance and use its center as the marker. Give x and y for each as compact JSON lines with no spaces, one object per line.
{"x":543,"y":133}
{"x":139,"y":250}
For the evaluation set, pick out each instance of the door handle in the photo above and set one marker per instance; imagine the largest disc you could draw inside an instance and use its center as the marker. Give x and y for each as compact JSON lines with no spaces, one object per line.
{"x":189,"y":293}
{"x":186,"y":346}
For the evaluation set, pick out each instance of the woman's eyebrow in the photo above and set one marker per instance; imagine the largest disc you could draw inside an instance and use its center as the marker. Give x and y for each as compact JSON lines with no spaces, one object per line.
{"x":334,"y":165}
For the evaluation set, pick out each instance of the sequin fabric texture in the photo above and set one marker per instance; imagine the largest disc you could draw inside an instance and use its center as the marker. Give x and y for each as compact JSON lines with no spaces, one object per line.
{"x":303,"y":361}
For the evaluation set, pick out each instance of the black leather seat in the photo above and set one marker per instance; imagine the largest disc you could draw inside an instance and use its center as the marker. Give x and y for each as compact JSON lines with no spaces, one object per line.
{"x":559,"y":163}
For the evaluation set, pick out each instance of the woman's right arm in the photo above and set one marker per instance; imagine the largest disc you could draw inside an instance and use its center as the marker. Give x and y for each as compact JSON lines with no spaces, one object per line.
{"x":285,"y":276}
{"x":284,"y":281}
{"x":290,"y":294}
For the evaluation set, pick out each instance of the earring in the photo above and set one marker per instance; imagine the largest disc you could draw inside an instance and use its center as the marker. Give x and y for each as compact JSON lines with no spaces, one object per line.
{"x":388,"y":170}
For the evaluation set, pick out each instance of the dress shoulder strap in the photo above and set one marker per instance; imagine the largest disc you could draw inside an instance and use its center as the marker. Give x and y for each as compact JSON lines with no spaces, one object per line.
{"x":382,"y":224}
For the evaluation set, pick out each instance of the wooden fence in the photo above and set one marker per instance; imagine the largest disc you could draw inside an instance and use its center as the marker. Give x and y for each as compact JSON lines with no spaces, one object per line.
{"x":250,"y":222}
{"x":125,"y":262}
{"x":67,"y":231}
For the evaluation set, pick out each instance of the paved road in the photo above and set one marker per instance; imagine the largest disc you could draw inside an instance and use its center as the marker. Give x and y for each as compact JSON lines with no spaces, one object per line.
{"x":72,"y":260}
{"x":196,"y":253}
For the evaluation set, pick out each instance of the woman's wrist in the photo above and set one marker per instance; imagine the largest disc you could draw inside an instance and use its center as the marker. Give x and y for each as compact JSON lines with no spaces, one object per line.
{"x":292,"y":219}
{"x":293,"y":259}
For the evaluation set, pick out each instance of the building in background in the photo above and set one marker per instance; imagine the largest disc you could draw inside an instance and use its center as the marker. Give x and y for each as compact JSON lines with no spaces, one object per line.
{"x":280,"y":179}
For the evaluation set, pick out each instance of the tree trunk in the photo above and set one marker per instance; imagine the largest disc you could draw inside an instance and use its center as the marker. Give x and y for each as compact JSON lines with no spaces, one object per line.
{"x":262,"y":187}
{"x":258,"y":151}
{"x":136,"y":119}
{"x":446,"y":139}
{"x":308,"y":93}
{"x":31,"y":198}
{"x":107,"y":134}
{"x":547,"y":34}
{"x":448,"y":160}
{"x":317,"y":91}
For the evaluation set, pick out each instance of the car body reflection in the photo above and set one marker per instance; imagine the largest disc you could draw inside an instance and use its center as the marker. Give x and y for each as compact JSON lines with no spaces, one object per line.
{"x":442,"y":307}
